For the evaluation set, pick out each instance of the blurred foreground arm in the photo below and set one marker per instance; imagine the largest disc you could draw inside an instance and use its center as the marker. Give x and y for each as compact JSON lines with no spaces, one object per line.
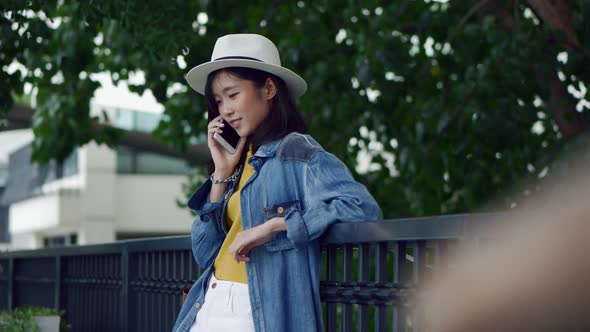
{"x":534,"y":276}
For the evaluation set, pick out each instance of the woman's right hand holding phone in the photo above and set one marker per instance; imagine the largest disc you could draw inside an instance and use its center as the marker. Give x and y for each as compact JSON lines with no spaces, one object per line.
{"x":225,"y":162}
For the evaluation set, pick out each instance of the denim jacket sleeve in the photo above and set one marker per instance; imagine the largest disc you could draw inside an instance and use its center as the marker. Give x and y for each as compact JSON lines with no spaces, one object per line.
{"x":206,"y":233}
{"x":331,"y":195}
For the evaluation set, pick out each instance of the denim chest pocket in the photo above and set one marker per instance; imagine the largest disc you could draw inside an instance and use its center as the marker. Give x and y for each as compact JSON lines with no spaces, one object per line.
{"x":279,"y":240}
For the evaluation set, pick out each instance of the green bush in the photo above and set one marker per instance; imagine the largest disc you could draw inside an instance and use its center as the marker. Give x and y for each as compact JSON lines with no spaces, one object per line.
{"x":20,"y":319}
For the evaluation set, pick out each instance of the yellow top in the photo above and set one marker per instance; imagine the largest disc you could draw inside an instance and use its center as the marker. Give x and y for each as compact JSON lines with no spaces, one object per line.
{"x":226,"y":268}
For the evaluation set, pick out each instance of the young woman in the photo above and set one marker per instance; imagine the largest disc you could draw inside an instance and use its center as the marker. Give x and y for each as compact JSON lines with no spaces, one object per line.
{"x":265,"y":206}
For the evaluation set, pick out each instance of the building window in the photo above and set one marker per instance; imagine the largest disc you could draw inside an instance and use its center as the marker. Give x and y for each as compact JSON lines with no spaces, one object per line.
{"x":125,"y":160}
{"x":69,"y":166}
{"x":60,"y":240}
{"x":25,"y":179}
{"x":130,"y":161}
{"x":135,"y":120}
{"x":3,"y":175}
{"x":4,"y":233}
{"x":55,"y":171}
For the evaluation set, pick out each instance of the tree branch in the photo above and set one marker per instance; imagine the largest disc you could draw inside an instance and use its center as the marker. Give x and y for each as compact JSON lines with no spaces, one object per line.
{"x":561,"y":104}
{"x":558,"y":15}
{"x":472,"y":11}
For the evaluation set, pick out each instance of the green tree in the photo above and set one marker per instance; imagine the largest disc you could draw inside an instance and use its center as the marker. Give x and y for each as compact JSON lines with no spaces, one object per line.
{"x":469,"y":97}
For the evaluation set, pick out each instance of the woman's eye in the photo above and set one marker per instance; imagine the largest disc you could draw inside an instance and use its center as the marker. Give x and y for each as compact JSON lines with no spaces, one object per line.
{"x":233,"y":94}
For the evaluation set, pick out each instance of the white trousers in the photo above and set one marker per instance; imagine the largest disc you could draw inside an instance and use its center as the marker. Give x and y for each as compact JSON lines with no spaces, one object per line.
{"x":226,"y":308}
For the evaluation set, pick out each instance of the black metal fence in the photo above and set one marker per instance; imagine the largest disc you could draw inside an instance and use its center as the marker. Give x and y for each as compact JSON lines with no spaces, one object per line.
{"x":369,"y":272}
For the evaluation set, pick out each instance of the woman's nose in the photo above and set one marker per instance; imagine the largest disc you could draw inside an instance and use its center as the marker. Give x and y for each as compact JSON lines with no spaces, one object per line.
{"x":225,"y":110}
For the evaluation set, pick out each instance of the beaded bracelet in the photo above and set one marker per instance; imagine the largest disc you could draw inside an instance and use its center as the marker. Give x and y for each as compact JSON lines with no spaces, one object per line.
{"x":231,"y":178}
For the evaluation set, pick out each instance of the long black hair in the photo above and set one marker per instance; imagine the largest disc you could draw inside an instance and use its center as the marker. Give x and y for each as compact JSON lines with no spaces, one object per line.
{"x":283,"y":117}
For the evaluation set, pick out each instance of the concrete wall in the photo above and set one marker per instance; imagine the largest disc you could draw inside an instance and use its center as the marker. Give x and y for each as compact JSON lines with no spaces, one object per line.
{"x":147,"y":203}
{"x":34,"y":214}
{"x":23,"y":241}
{"x":59,"y":209}
{"x":98,"y":169}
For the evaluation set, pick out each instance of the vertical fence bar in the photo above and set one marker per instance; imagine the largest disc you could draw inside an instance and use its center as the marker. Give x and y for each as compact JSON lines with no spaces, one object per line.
{"x":90,"y":273}
{"x":158,"y":291}
{"x":364,"y":266}
{"x":399,"y":312}
{"x":438,"y":256}
{"x":138,"y":295}
{"x":89,"y":300}
{"x":331,"y":312}
{"x":419,"y":273}
{"x":347,"y":277}
{"x":381,"y":274}
{"x":143,"y":300}
{"x":104,"y":264}
{"x":165,"y":277}
{"x":10,"y":282}
{"x":74,"y":309}
{"x":65,"y":299}
{"x":132,"y":297}
{"x":178,"y":276}
{"x":112,"y":298}
{"x":172,"y":295}
{"x":93,"y":290}
{"x":57,"y":294}
{"x":82,"y":294}
{"x":124,"y":305}
{"x":419,"y":266}
{"x":151,"y":295}
{"x":107,"y":298}
{"x":158,"y":302}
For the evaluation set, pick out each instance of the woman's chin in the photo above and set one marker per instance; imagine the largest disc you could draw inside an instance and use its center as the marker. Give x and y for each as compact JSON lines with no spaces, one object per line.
{"x":243,"y":133}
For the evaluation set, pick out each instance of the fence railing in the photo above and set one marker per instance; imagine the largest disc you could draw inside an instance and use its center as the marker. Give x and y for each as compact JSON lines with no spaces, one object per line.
{"x":369,"y":271}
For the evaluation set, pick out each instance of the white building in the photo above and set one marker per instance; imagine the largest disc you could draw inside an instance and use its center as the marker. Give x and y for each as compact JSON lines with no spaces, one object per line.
{"x":97,"y":195}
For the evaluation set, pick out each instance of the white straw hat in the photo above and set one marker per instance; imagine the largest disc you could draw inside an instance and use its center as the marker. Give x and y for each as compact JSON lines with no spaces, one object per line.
{"x":245,"y":50}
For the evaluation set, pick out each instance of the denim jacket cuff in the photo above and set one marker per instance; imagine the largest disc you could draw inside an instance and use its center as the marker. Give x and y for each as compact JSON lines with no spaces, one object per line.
{"x":296,"y":228}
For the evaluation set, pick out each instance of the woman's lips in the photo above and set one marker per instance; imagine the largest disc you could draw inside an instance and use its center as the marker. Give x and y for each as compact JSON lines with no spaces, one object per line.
{"x":235,"y":123}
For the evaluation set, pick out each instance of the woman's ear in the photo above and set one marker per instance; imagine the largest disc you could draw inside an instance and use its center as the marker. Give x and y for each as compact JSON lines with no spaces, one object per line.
{"x":270,"y":89}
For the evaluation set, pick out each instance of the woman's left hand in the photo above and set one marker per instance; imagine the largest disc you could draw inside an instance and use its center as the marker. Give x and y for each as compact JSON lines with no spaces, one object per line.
{"x":254,"y":237}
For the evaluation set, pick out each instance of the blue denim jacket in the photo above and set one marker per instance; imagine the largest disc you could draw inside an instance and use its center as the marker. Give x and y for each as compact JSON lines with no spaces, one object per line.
{"x":294,"y":178}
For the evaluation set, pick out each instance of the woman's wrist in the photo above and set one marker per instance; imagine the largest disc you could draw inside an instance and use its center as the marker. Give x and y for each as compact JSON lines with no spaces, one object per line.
{"x":221,"y":173}
{"x":223,"y":179}
{"x":277,"y":224}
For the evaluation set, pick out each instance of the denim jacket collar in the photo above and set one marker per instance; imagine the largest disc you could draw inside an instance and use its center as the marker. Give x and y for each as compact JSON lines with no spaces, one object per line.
{"x":268,"y":150}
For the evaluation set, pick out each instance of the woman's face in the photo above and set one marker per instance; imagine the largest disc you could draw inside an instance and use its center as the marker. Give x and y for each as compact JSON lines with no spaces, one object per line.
{"x":241,"y":103}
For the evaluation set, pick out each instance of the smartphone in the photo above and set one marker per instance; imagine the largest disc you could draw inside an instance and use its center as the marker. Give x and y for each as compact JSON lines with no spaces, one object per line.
{"x":229,"y":139}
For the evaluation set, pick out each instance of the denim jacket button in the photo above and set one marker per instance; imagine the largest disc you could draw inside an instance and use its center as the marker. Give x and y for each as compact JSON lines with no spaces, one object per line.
{"x":197,"y":305}
{"x":280,"y":210}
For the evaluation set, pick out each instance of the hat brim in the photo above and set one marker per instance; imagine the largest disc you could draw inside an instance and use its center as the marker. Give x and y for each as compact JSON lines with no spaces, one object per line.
{"x":197,"y":77}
